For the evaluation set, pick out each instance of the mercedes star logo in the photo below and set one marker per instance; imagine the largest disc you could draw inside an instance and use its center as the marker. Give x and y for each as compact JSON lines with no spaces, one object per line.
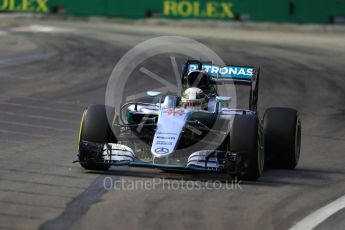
{"x":161,"y":150}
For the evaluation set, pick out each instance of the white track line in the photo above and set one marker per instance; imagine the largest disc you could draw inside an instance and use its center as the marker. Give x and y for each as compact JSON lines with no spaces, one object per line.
{"x":27,"y":134}
{"x":40,"y":108}
{"x":18,"y":65}
{"x":22,"y":133}
{"x":11,"y":141}
{"x":13,"y":114}
{"x":4,"y":74}
{"x":320,"y":215}
{"x":37,"y":28}
{"x":29,"y":57}
{"x":52,"y":101}
{"x":37,"y":126}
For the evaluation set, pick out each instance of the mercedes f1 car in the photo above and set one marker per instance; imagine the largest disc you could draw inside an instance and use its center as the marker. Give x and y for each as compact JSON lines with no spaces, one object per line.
{"x":195,"y":131}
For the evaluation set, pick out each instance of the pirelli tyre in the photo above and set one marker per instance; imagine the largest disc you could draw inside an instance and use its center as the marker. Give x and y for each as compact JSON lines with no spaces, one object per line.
{"x":282,"y":133}
{"x":94,"y":127}
{"x":245,"y":138}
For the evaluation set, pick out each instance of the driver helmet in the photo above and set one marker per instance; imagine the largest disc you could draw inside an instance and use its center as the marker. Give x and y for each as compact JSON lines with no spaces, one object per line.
{"x":193,"y":98}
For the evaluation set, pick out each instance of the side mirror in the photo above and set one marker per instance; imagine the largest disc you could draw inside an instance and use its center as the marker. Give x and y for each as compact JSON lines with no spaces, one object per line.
{"x":223,"y":99}
{"x":153,"y":93}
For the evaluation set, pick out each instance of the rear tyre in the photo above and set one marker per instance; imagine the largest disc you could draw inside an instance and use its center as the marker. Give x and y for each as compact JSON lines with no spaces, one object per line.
{"x":95,"y":128}
{"x":282,"y":133}
{"x":246,"y":138}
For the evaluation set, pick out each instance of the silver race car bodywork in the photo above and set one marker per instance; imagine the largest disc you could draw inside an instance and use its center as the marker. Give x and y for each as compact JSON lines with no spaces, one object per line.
{"x":168,"y":134}
{"x":169,"y":125}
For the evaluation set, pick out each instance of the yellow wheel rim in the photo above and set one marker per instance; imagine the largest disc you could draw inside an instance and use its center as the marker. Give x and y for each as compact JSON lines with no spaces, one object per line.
{"x":81,"y":127}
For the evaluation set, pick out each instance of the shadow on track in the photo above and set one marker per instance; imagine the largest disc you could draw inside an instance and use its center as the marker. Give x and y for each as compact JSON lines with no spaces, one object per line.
{"x":271,"y":177}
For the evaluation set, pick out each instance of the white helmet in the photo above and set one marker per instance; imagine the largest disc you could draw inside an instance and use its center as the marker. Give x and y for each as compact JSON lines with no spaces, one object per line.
{"x":193,"y":98}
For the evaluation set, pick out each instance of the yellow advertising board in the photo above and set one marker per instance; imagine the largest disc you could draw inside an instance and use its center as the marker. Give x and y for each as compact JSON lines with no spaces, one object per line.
{"x":198,"y":9}
{"x":38,"y":6}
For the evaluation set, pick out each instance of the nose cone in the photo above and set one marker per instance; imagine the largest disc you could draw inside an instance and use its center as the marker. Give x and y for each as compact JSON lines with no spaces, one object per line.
{"x":169,"y":127}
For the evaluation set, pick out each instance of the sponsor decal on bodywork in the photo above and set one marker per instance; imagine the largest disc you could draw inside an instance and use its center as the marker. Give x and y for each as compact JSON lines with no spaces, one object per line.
{"x":164,"y":143}
{"x":169,"y":127}
{"x":166,"y":138}
{"x":161,"y":150}
{"x":235,"y":72}
{"x":170,"y":111}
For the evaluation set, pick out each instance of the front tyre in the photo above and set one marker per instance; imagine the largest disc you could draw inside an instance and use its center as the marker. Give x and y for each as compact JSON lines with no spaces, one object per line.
{"x":246,"y":139}
{"x":282,"y":133}
{"x":94,"y":127}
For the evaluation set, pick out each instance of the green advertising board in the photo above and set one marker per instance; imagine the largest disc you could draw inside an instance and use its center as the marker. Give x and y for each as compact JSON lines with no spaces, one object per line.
{"x":295,"y":11}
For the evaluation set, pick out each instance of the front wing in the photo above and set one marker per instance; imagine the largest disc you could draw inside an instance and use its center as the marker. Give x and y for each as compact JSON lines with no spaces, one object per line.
{"x":201,"y":161}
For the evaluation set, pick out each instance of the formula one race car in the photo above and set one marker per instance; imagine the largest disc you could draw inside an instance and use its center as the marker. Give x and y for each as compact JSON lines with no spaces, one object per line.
{"x":195,"y":131}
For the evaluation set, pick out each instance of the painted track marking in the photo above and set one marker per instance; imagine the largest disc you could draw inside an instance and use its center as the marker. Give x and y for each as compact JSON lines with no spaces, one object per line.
{"x":37,"y":126}
{"x":40,"y":108}
{"x":39,"y":117}
{"x":320,"y":215}
{"x":51,"y":101}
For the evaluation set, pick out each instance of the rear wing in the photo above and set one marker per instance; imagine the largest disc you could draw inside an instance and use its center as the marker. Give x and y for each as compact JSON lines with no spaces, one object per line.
{"x":238,"y":75}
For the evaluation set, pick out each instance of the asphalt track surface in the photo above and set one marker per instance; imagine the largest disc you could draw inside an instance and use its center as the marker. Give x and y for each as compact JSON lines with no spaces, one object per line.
{"x":48,"y":76}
